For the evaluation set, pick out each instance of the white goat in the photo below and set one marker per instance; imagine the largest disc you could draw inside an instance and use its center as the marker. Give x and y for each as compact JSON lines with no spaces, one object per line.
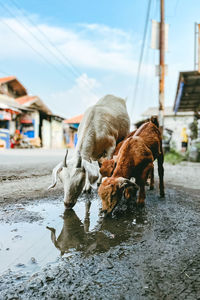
{"x":104,"y":124}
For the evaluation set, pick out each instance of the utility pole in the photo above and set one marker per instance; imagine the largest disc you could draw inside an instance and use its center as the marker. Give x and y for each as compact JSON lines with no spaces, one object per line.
{"x":162,"y":67}
{"x":199,"y":48}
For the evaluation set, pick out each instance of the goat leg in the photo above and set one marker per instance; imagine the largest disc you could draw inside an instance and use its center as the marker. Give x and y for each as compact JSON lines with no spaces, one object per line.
{"x":151,"y":179}
{"x":161,"y":175}
{"x":142,"y":181}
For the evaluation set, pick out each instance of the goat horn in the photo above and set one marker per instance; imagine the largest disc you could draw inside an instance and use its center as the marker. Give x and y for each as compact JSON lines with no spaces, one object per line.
{"x":65,"y":159}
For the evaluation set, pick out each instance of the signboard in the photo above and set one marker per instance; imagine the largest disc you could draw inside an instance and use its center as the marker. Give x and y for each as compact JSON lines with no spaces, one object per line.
{"x":155,"y":35}
{"x":6,"y":116}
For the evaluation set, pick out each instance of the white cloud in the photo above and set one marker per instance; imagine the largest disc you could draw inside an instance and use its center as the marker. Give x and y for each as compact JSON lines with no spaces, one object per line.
{"x":77,"y":99}
{"x":109,"y":54}
{"x":107,"y":49}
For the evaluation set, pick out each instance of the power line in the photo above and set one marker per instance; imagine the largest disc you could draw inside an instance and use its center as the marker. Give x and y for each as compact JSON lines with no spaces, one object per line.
{"x":36,"y":51}
{"x":141,"y":57}
{"x":5,"y":73}
{"x":73,"y":69}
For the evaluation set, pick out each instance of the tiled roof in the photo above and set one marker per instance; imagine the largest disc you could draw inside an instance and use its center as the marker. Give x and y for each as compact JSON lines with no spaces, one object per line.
{"x":7,"y":79}
{"x":15,"y":84}
{"x":74,"y":120}
{"x":25,"y":99}
{"x":33,"y":102}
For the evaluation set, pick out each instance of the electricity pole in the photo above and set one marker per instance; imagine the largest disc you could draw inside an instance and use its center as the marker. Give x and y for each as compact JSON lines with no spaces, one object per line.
{"x":198,"y":48}
{"x":162,"y":67}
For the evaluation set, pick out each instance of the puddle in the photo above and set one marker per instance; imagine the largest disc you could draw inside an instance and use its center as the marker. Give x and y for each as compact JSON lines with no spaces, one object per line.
{"x":28,"y":247}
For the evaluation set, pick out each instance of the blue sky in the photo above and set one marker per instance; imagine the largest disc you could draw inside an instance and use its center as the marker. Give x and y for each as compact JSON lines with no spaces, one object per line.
{"x":98,"y":45}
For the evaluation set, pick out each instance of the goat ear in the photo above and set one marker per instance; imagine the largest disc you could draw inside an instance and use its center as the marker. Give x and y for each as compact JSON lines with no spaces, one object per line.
{"x":91,"y":170}
{"x":55,"y":171}
{"x":124,"y":182}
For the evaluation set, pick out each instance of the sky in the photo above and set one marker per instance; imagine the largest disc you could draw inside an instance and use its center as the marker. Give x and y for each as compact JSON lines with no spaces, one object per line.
{"x":72,"y":53}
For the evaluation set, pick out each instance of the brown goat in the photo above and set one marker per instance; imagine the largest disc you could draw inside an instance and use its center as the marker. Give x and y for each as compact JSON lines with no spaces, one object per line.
{"x":107,"y":165}
{"x":150,"y":133}
{"x":135,"y":159}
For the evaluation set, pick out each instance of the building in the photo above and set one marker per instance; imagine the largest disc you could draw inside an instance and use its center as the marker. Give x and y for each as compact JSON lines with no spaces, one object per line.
{"x":173,"y":121}
{"x":40,"y":123}
{"x":70,"y":130}
{"x":188,"y":95}
{"x":29,"y":114}
{"x":11,"y":87}
{"x":9,"y":111}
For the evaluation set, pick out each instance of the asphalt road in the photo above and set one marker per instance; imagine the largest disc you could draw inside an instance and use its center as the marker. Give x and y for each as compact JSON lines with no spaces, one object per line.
{"x":149,"y":253}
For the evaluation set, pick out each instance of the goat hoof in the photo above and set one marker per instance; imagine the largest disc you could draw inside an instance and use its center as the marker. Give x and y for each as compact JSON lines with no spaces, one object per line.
{"x":140,"y":204}
{"x":162,"y":195}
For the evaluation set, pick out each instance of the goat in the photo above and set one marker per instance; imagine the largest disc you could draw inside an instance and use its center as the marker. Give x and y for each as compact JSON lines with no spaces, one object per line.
{"x":135,"y":159}
{"x":103,"y":126}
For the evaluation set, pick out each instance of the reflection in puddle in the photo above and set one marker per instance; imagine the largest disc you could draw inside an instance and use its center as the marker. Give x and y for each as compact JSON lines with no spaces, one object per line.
{"x":107,"y":233}
{"x":28,"y":247}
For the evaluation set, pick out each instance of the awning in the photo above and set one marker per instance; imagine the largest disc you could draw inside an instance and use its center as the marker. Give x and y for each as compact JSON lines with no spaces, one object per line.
{"x":9,"y":101}
{"x":188,"y":92}
{"x":26,"y":119}
{"x":9,"y":108}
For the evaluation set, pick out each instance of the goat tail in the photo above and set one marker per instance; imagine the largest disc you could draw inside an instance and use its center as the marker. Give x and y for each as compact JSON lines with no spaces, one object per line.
{"x":154,"y":120}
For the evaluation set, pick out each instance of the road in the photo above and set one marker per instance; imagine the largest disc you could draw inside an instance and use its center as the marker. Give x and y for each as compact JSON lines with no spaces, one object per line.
{"x":148,"y":253}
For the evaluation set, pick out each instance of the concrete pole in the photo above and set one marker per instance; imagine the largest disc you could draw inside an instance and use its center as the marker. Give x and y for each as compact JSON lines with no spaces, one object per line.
{"x":199,"y":48}
{"x":162,"y":67}
{"x":195,"y":45}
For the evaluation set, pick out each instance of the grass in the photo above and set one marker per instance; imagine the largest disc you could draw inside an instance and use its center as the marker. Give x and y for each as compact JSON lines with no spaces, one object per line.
{"x":173,"y":157}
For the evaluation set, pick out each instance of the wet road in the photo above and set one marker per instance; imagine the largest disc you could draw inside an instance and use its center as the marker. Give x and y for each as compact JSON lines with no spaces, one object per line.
{"x":149,"y":253}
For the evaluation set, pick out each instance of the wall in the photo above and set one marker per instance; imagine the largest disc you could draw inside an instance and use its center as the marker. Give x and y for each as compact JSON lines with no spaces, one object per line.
{"x":57,"y":140}
{"x":46,"y":134}
{"x":176,"y":123}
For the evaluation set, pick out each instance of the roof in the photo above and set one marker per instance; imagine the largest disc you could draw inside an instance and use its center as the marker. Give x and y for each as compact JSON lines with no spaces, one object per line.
{"x":169,"y":112}
{"x":13,"y":82}
{"x":74,"y":120}
{"x":188,"y":92}
{"x":7,"y":79}
{"x":33,"y":102}
{"x":25,"y":99}
{"x":6,"y":100}
{"x":7,"y":107}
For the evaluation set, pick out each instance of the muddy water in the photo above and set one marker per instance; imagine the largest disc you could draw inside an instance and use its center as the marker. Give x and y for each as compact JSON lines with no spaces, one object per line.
{"x":28,"y":244}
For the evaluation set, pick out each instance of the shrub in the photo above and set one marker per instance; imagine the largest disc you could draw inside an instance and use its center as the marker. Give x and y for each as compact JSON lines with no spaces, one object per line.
{"x":173,"y":157}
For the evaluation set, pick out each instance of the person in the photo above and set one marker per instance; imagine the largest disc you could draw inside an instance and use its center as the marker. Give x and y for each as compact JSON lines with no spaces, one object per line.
{"x":184,"y":140}
{"x":15,"y":140}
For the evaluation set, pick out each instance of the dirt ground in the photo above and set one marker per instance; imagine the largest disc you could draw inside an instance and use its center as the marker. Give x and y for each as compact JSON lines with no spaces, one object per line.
{"x":148,"y":253}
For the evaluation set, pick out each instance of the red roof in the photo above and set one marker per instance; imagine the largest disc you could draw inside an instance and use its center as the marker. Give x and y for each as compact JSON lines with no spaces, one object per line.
{"x":74,"y":120}
{"x":7,"y":79}
{"x":25,"y":99}
{"x":14,"y":83}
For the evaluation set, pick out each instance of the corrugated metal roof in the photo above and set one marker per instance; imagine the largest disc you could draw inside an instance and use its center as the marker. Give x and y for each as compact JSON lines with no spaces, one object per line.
{"x":188,"y":92}
{"x":168,"y":112}
{"x":11,"y":101}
